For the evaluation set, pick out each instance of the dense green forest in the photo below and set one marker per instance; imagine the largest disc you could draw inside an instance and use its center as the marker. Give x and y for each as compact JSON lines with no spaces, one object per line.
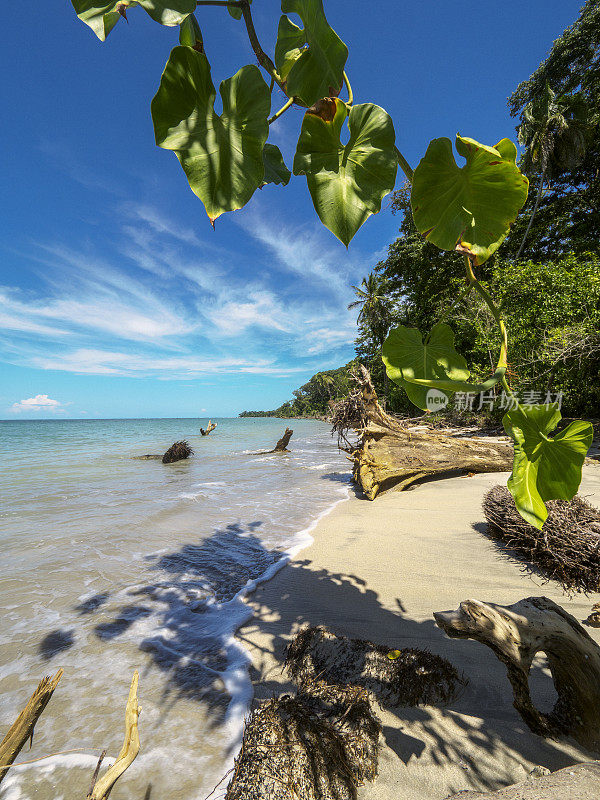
{"x":547,"y":280}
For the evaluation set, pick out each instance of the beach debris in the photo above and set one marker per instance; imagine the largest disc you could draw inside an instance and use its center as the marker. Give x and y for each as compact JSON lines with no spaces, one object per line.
{"x":100,"y":789}
{"x":320,"y":744}
{"x":177,"y":452}
{"x":566,"y":549}
{"x":577,"y":782}
{"x":410,"y":678}
{"x":21,"y":731}
{"x":515,"y":634}
{"x":391,"y":452}
{"x":281,"y":446}
{"x":594,"y":618}
{"x":210,"y":427}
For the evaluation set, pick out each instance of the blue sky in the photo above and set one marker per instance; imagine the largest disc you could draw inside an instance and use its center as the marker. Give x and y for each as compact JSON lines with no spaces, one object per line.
{"x":117,"y":297}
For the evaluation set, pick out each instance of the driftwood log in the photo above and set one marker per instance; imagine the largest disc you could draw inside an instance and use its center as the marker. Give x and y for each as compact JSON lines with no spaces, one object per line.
{"x":210,"y":427}
{"x":281,"y":446}
{"x":22,"y":729}
{"x":392,"y":453}
{"x":515,"y":634}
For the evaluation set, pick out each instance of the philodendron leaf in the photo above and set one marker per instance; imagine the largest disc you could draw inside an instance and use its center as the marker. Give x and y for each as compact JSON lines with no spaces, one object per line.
{"x":190,"y":33}
{"x":468,"y":208}
{"x":222,"y":156}
{"x":311,"y":59}
{"x":235,"y":11}
{"x":275,"y":168}
{"x":407,"y":357}
{"x":347,"y":182}
{"x":102,"y":16}
{"x":544,"y":468}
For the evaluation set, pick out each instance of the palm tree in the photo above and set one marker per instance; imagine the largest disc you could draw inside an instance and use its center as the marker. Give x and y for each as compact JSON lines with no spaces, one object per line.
{"x":375,"y":311}
{"x":553,"y":132}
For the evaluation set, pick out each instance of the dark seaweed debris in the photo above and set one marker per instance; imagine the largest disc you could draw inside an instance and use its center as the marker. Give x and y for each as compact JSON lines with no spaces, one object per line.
{"x":414,"y":677}
{"x":177,"y":452}
{"x":319,"y":745}
{"x":566,"y":549}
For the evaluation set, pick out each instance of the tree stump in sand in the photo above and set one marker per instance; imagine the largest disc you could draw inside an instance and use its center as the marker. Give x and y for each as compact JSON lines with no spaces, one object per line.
{"x":515,"y":634}
{"x":392,"y":453}
{"x":210,"y":427}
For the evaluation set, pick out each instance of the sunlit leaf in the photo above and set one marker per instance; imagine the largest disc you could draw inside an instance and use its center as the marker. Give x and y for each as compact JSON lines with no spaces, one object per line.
{"x":544,"y":468}
{"x":190,"y":34}
{"x":347,"y":182}
{"x":236,"y":12}
{"x":310,"y":59}
{"x":222,"y":156}
{"x":394,"y":654}
{"x":468,"y":208}
{"x":103,"y":16}
{"x":407,"y":357}
{"x":275,"y":168}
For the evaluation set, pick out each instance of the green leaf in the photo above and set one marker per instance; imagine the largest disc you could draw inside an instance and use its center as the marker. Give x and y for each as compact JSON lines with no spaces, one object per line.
{"x":275,"y":168}
{"x":103,"y":16}
{"x":544,"y":468}
{"x":190,"y":34}
{"x":236,"y":12}
{"x":407,"y":357}
{"x":222,"y":156}
{"x":469,"y":208}
{"x":311,"y":59}
{"x":347,"y":182}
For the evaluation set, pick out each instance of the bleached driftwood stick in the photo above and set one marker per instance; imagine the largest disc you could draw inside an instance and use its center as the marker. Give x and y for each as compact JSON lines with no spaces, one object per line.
{"x":23,"y":727}
{"x":130,"y":749}
{"x":515,"y":634}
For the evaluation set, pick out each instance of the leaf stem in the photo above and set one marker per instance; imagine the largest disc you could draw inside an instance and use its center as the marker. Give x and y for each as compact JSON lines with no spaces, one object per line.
{"x":350,"y":99}
{"x":281,"y":111}
{"x":404,"y":165}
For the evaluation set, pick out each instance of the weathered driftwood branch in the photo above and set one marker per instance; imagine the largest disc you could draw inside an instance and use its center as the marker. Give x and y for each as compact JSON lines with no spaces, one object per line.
{"x":515,"y":634}
{"x":281,"y":446}
{"x":391,"y":453}
{"x":130,"y":749}
{"x":210,"y":427}
{"x":22,"y":729}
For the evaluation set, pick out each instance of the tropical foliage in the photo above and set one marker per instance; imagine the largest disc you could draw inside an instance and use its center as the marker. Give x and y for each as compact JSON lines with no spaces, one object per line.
{"x":466,"y":208}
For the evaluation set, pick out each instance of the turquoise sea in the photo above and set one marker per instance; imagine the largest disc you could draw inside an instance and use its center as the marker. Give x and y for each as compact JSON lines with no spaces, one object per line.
{"x":111,"y":564}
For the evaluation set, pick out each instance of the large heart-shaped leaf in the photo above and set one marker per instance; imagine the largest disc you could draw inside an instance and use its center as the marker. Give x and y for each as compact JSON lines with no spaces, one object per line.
{"x":222,"y":156}
{"x":347,"y":182}
{"x":469,"y":208}
{"x":407,"y":357}
{"x":544,"y":468}
{"x":311,"y":59}
{"x":102,"y":16}
{"x":275,"y":168}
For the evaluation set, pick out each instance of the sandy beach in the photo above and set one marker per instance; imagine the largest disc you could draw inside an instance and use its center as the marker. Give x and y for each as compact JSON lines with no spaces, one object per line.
{"x":378,"y":571}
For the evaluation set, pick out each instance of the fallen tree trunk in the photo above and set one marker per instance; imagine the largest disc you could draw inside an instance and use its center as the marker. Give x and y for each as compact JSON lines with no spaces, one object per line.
{"x":392,"y":452}
{"x":515,"y":634}
{"x":281,"y":446}
{"x":22,"y":729}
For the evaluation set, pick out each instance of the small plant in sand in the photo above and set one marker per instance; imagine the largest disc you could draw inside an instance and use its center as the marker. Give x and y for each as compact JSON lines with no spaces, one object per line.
{"x":467,"y":208}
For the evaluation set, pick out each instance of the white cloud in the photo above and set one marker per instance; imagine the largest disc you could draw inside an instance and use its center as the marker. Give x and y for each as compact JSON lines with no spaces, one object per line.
{"x":41,"y":402}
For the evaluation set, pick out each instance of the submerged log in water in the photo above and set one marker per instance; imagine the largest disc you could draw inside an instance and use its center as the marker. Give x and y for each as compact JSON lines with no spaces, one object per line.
{"x":515,"y":634}
{"x":392,"y":453}
{"x":22,"y":729}
{"x":567,"y":548}
{"x":408,"y":678}
{"x":319,"y":745}
{"x":281,"y":446}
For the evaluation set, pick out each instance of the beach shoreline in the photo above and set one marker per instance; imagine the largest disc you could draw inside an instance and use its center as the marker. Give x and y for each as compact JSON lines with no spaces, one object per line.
{"x":378,"y":571}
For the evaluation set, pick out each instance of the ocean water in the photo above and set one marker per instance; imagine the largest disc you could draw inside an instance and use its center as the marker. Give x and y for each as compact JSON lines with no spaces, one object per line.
{"x":111,"y":564}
